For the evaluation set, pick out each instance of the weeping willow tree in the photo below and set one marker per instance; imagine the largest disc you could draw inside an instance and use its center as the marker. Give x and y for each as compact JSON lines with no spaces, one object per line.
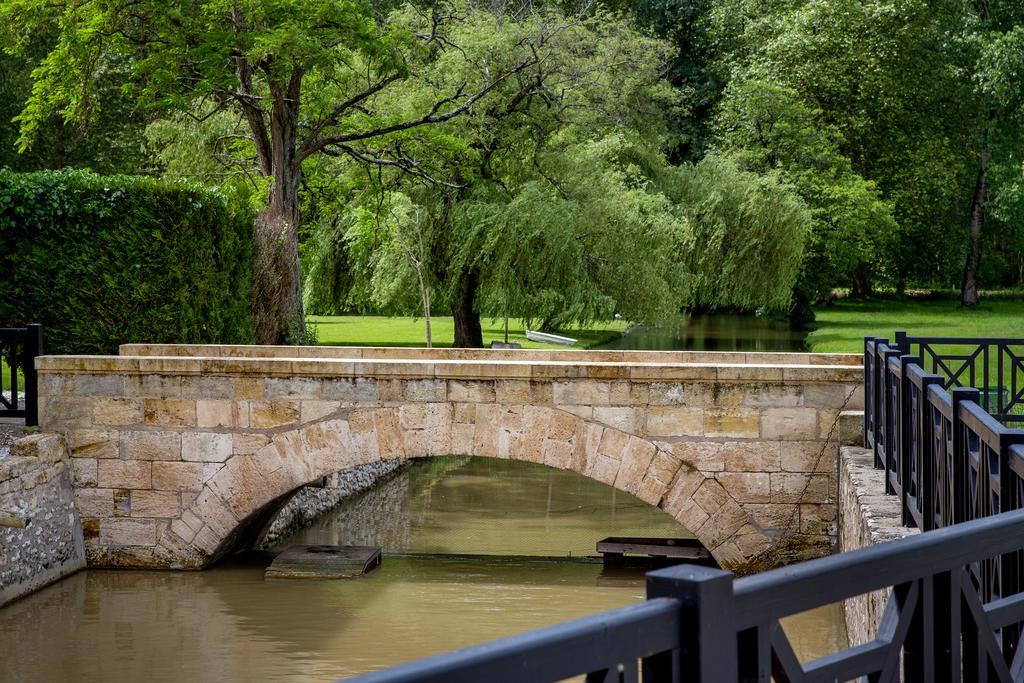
{"x":746,"y":239}
{"x":552,"y":202}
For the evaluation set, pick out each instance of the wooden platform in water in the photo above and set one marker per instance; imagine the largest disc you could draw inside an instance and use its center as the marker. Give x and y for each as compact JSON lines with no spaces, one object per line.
{"x":324,"y":562}
{"x":615,"y":548}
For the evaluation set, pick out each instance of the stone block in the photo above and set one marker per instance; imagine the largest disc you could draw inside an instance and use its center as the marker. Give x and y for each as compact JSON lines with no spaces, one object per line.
{"x":196,"y":387}
{"x":206,"y":446}
{"x":93,"y":443}
{"x":581,"y":392}
{"x":248,"y":388}
{"x":693,"y":394}
{"x":124,"y":474}
{"x":311,"y":411}
{"x":359,"y":390}
{"x":747,"y":456}
{"x":801,"y":488}
{"x":732,"y":423}
{"x":170,"y":412}
{"x":152,"y":386}
{"x":151,"y":445}
{"x":851,"y":428}
{"x":95,"y":385}
{"x":686,"y":483}
{"x":221,"y":413}
{"x":271,"y":414}
{"x":624,"y":419}
{"x":512,"y":391}
{"x":116,"y":411}
{"x":155,"y":504}
{"x":247,"y":444}
{"x":182,"y":476}
{"x":789,"y":424}
{"x":746,"y":487}
{"x":302,"y":388}
{"x":426,"y":390}
{"x":94,"y":502}
{"x":636,"y":458}
{"x":808,"y":456}
{"x":471,"y":392}
{"x":671,"y":421}
{"x":706,"y":456}
{"x":84,"y":471}
{"x":127,"y":532}
{"x":772,"y":395}
{"x":664,"y":466}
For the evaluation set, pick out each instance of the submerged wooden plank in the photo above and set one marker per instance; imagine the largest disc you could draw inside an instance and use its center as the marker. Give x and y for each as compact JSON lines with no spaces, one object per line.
{"x":682,"y":548}
{"x":324,"y":562}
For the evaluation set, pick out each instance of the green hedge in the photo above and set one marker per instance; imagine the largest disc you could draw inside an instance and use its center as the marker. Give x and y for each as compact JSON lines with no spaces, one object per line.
{"x":104,"y":260}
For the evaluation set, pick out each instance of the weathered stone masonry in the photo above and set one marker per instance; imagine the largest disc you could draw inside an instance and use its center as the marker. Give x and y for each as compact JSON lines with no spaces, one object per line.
{"x":178,"y":451}
{"x":40,"y":536}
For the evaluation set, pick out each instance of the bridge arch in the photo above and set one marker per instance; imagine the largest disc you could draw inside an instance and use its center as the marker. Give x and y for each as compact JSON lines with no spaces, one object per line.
{"x":242,"y":496}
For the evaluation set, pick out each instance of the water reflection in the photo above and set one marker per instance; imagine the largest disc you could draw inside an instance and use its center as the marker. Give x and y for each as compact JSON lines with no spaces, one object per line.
{"x":490,"y":507}
{"x":715,"y":332}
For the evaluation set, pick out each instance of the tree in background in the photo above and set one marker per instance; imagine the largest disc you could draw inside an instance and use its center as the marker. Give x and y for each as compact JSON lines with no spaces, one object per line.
{"x":305,"y":76}
{"x":903,"y":81}
{"x":529,"y":202}
{"x":767,"y":128}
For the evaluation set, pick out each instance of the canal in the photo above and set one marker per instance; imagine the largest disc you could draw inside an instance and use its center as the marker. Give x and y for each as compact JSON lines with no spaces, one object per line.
{"x":715,"y":332}
{"x":476,"y":549}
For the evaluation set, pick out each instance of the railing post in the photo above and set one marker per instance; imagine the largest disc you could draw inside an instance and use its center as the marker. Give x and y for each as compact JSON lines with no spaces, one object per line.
{"x":959,"y":455}
{"x":33,"y":349}
{"x":927,"y":477}
{"x":900,"y":342}
{"x":905,"y":456}
{"x":708,"y":650}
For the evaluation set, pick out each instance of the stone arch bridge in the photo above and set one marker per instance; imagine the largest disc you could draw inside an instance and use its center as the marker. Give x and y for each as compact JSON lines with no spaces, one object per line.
{"x":182,"y":453}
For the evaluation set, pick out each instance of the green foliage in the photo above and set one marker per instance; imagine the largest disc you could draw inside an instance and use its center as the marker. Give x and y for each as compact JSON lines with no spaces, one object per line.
{"x":745,"y":243}
{"x":768,"y":128}
{"x":101,"y":261}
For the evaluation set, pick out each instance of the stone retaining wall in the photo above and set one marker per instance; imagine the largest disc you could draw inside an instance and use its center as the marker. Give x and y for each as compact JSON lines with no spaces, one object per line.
{"x":866,"y":517}
{"x":40,"y":533}
{"x":313,"y":501}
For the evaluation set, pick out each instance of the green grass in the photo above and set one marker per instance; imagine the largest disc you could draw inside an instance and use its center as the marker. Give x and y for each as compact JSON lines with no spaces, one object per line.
{"x":374,"y":330}
{"x":843,"y":326}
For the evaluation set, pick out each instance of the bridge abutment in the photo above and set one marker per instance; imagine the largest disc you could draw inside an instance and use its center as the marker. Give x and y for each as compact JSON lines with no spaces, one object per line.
{"x":177,"y":449}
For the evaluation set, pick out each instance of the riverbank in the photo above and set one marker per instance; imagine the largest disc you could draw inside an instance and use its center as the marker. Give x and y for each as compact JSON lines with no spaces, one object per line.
{"x":841,"y":327}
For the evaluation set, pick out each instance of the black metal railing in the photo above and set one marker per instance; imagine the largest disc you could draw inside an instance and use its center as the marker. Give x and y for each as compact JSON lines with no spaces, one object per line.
{"x":19,"y":347}
{"x":703,"y":625}
{"x":945,"y":439}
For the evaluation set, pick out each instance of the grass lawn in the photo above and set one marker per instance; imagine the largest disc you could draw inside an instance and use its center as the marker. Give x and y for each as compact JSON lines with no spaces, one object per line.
{"x":843,"y":326}
{"x":376,"y":330}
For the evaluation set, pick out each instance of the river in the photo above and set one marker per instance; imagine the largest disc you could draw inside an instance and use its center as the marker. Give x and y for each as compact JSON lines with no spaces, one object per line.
{"x":455,"y":531}
{"x":715,"y":332}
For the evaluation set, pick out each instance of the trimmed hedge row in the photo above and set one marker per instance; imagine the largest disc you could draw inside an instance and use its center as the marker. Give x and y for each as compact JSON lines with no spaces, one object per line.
{"x":104,"y":260}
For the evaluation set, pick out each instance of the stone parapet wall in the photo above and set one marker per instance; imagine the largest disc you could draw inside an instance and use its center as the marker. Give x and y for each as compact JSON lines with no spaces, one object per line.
{"x":175,"y":454}
{"x":553,"y":355}
{"x":40,"y":534}
{"x":866,"y":517}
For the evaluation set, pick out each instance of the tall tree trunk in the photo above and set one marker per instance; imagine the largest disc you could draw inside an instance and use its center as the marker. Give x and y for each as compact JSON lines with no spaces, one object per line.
{"x":468,"y":332}
{"x":277,"y":285}
{"x":861,"y":281}
{"x":969,"y":286}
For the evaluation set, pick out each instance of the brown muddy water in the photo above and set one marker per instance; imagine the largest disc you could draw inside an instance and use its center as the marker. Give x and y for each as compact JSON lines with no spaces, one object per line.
{"x":229,"y":624}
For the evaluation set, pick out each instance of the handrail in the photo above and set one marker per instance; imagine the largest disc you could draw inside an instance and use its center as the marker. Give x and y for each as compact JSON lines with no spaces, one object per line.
{"x":19,"y":347}
{"x":582,"y":646}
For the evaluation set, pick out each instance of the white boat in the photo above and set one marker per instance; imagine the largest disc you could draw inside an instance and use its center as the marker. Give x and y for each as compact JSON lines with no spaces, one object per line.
{"x":545,"y":338}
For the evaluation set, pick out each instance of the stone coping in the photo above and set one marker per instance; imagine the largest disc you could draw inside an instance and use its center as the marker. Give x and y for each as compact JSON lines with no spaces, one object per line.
{"x":437,"y":354}
{"x":497,"y":368}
